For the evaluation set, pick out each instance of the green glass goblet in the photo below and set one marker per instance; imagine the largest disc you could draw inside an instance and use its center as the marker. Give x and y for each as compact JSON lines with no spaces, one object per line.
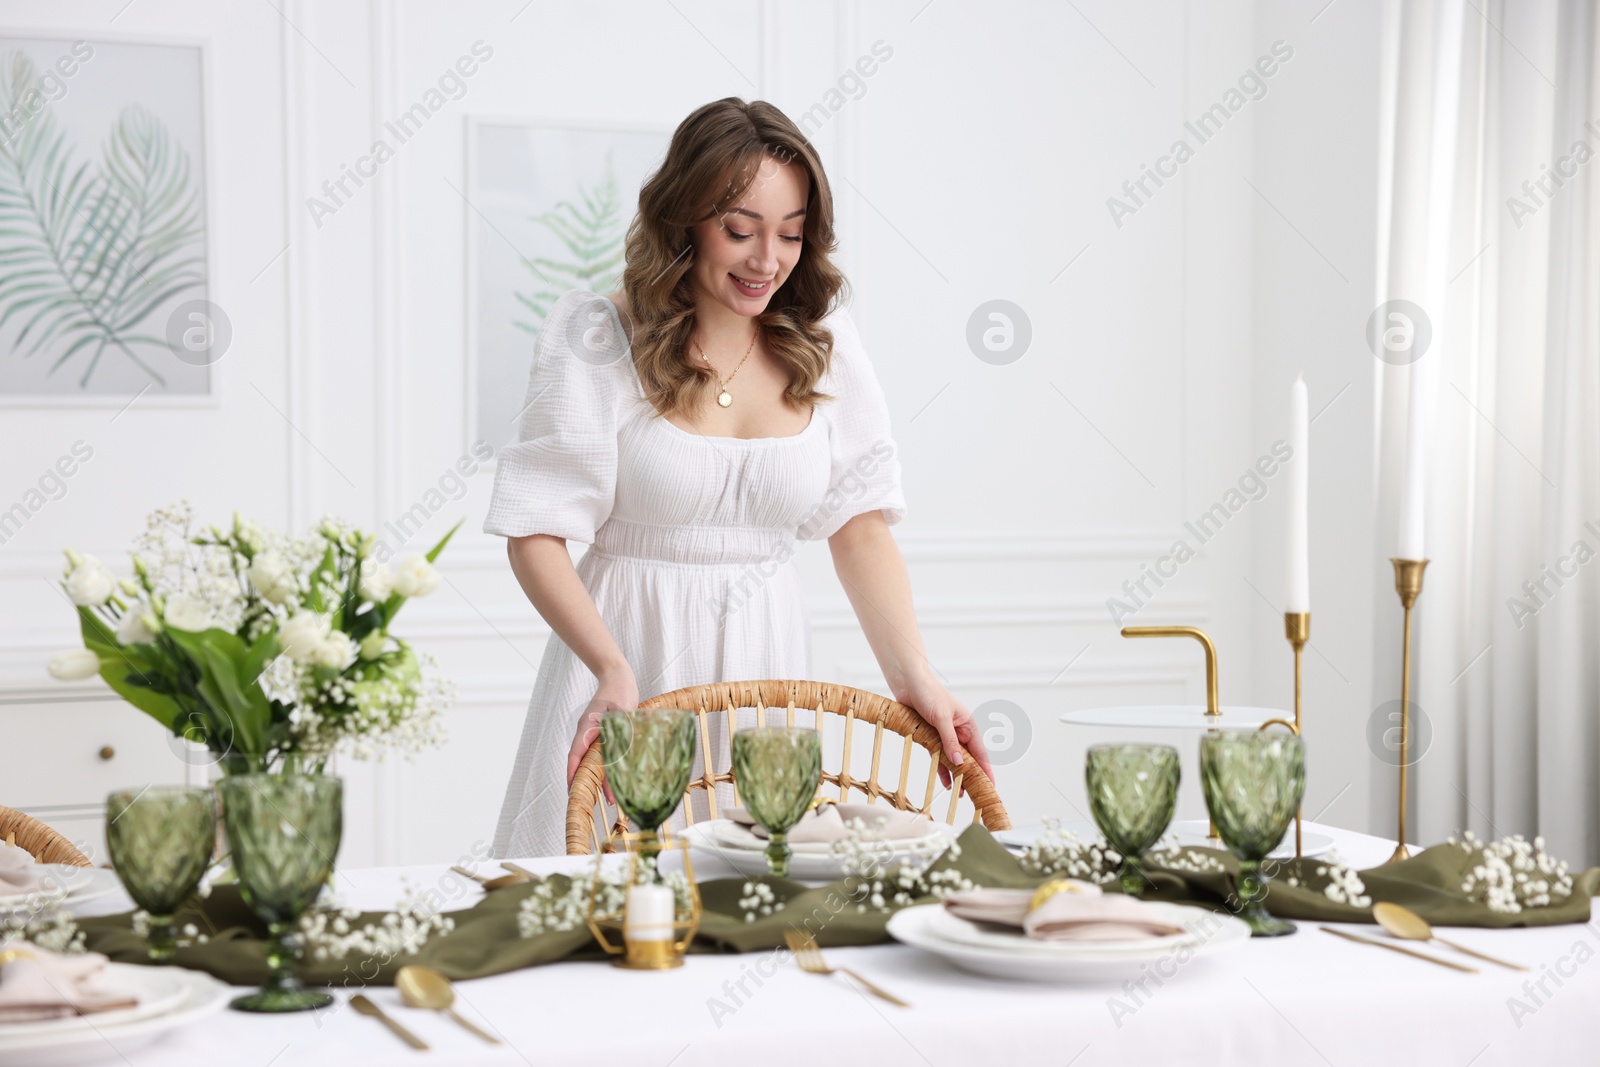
{"x":284,"y":832}
{"x":777,"y":769}
{"x":649,"y":754}
{"x":1132,"y":792}
{"x":161,"y":840}
{"x":1253,"y":782}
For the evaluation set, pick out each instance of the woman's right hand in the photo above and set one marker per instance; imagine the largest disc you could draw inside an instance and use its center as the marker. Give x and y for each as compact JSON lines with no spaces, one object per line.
{"x":616,"y":690}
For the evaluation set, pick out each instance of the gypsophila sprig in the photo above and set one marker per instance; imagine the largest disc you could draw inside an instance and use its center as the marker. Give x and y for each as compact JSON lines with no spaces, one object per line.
{"x":1061,"y":852}
{"x":1512,"y":873}
{"x":758,"y":899}
{"x":56,"y":931}
{"x":330,"y":933}
{"x":864,"y":856}
{"x":560,"y":902}
{"x":272,"y":651}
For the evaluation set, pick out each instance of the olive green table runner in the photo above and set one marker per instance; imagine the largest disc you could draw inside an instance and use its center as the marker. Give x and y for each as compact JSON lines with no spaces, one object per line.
{"x":487,"y":940}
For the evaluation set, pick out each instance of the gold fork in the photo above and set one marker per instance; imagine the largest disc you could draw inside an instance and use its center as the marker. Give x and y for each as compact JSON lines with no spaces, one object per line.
{"x":809,"y":957}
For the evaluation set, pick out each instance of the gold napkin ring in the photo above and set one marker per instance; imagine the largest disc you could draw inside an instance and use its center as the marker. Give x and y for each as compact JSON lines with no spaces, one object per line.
{"x":1050,"y":889}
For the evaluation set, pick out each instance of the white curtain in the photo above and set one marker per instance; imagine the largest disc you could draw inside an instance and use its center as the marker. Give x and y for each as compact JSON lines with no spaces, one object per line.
{"x":1490,"y":221}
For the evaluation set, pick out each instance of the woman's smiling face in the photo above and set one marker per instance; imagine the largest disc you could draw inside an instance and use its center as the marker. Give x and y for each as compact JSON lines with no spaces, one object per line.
{"x":745,"y":254}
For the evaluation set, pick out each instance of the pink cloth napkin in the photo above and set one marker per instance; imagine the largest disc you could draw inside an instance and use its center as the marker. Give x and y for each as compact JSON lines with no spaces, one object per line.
{"x":36,"y":983}
{"x":18,"y":871}
{"x":1085,"y":915}
{"x":827,"y":823}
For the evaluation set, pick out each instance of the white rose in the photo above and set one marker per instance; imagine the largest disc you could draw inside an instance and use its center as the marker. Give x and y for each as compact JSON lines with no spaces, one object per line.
{"x":302,"y":635}
{"x":416,"y":577}
{"x":134,"y":629}
{"x":377,"y":580}
{"x":337,"y":650}
{"x":273,"y":579}
{"x":90,"y":584}
{"x":74,"y":665}
{"x":187,"y":613}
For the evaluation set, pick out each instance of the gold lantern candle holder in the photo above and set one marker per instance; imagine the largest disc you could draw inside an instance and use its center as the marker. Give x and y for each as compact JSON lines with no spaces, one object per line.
{"x":640,"y":942}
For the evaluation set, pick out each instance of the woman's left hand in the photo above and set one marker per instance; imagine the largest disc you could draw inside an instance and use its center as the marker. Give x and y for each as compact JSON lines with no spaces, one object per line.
{"x":928,"y":697}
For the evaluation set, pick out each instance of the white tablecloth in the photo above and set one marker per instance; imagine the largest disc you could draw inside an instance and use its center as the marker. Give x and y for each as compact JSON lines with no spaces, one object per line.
{"x":1309,"y":998}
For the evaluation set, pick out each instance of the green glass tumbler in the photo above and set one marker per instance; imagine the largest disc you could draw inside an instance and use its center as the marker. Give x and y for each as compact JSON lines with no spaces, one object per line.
{"x":284,"y":832}
{"x":1253,"y":783}
{"x":161,"y":840}
{"x":649,"y":755}
{"x":777,"y":770}
{"x":1133,"y":790}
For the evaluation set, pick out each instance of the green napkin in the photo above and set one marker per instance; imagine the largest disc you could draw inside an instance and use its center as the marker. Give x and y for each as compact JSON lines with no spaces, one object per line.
{"x":486,"y":939}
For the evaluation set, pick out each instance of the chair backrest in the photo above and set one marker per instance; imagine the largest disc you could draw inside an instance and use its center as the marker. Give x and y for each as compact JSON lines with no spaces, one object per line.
{"x":592,"y":823}
{"x":38,"y":840}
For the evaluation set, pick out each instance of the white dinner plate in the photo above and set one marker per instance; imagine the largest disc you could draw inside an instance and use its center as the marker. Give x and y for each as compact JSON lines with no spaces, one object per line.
{"x":1190,"y":832}
{"x":203,"y":995}
{"x":961,"y":931}
{"x":736,"y":835}
{"x":157,"y":989}
{"x":806,"y":866}
{"x":1215,"y":932}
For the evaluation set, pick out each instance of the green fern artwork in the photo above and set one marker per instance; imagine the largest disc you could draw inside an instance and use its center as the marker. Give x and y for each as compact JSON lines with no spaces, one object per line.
{"x":592,"y":234}
{"x":91,"y":250}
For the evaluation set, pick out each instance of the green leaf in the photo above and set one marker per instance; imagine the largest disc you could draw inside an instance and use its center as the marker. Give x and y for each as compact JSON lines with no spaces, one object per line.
{"x":127,"y":670}
{"x":433,"y":553}
{"x":225,"y":684}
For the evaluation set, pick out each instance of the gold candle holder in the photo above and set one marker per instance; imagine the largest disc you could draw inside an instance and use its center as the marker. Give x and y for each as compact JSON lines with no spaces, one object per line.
{"x":1408,"y":584}
{"x":1297,"y":628}
{"x":606,"y":922}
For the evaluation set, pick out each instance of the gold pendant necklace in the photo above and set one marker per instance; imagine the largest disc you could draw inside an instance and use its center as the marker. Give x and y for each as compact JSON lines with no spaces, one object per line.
{"x":725,"y":398}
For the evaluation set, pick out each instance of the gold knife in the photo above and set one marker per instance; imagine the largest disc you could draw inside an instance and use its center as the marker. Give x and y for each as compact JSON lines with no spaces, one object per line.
{"x":366,"y":1007}
{"x":1399,"y":948}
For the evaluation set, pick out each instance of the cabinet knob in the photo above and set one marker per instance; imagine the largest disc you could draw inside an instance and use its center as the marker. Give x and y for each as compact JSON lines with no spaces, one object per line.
{"x":107,"y":752}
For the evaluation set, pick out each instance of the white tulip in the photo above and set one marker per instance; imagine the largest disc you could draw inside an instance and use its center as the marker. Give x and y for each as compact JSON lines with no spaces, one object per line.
{"x":337,"y":650}
{"x":134,"y":629}
{"x":273,"y":578}
{"x":416,"y":577}
{"x":90,"y":584}
{"x":187,"y":613}
{"x":74,"y":665}
{"x":377,"y":580}
{"x":302,"y":635}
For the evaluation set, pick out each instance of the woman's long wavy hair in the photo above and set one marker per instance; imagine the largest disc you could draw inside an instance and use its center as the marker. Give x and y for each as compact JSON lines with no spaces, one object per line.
{"x":722,"y":146}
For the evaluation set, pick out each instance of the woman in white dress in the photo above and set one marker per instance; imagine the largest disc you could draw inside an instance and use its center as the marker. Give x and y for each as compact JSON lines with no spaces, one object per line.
{"x":690,"y":428}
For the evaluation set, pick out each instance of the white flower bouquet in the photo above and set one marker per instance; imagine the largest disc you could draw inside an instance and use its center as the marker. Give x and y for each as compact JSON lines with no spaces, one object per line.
{"x":273,"y":652}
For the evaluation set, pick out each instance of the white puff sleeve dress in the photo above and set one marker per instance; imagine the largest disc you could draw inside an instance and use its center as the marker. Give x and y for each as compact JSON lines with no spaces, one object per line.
{"x":691,"y":536}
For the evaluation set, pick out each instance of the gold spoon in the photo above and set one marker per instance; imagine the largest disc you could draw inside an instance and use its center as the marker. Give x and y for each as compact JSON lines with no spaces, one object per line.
{"x":1407,"y":925}
{"x":491,"y":884}
{"x":366,"y":1007}
{"x":424,"y":987}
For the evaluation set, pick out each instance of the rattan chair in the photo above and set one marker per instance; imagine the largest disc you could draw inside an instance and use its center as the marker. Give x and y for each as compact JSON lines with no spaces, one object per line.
{"x":38,"y":840}
{"x":592,"y":823}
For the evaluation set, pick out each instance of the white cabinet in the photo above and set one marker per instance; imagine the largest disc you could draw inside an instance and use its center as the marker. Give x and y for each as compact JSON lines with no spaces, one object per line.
{"x":65,"y":753}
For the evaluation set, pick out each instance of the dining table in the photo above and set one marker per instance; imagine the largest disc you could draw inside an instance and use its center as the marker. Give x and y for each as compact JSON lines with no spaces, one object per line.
{"x":1307,"y":998}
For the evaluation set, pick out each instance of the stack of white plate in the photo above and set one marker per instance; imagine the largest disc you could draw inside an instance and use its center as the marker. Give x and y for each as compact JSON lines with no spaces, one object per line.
{"x":168,"y":997}
{"x":61,"y":884}
{"x":1002,"y":952}
{"x":811,"y":860}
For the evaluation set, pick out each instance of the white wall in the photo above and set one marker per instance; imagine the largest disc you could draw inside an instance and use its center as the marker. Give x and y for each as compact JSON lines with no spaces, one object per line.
{"x":975,"y":166}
